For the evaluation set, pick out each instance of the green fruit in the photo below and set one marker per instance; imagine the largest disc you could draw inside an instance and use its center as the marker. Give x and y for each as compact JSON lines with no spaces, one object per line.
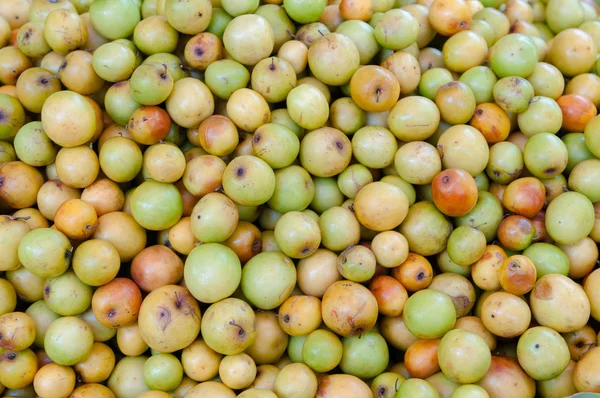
{"x":297,"y":234}
{"x":275,"y":144}
{"x":513,"y":94}
{"x":163,"y":372}
{"x":214,"y":218}
{"x":170,"y":61}
{"x":68,"y":340}
{"x":304,"y":11}
{"x":294,"y":190}
{"x":446,"y":265}
{"x":357,"y":263}
{"x":543,"y":353}
{"x":155,"y":35}
{"x":229,"y":326}
{"x":268,"y":279}
{"x":212,"y":272}
{"x":113,"y":62}
{"x":569,"y":218}
{"x":481,"y":79}
{"x":294,"y":348}
{"x":466,"y":245}
{"x":485,"y":216}
{"x":542,"y":116}
{"x":151,"y":84}
{"x":119,"y":103}
{"x":225,"y":76}
{"x":585,"y":179}
{"x":353,"y":178}
{"x":464,"y":357}
{"x":506,"y":162}
{"x":156,"y":205}
{"x":577,"y":149}
{"x":363,"y":36}
{"x":365,"y":356}
{"x":564,"y":14}
{"x":33,"y":146}
{"x":469,"y":391}
{"x":13,"y":116}
{"x":397,"y":29}
{"x":67,"y":295}
{"x":280,"y":22}
{"x":249,"y":181}
{"x":45,"y":252}
{"x":545,"y":155}
{"x":115,"y":19}
{"x":425,"y":220}
{"x":190,"y":17}
{"x":432,"y":80}
{"x":429,"y":314}
{"x":416,"y":388}
{"x":386,"y":384}
{"x":322,"y":350}
{"x":548,"y":259}
{"x":120,"y":159}
{"x":333,"y":52}
{"x":339,"y":228}
{"x":42,"y":317}
{"x":514,"y":55}
{"x":219,"y":21}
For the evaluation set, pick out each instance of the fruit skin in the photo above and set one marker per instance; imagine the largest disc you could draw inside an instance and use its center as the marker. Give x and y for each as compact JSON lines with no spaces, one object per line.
{"x":569,"y":218}
{"x":418,"y":314}
{"x":542,"y":353}
{"x":464,"y":357}
{"x":114,"y":19}
{"x":304,"y":11}
{"x":156,"y":206}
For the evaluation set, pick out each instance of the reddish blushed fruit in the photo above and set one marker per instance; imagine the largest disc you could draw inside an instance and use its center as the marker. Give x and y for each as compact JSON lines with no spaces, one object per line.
{"x":454,"y":192}
{"x":218,"y":135}
{"x":492,"y":121}
{"x":577,"y":111}
{"x":497,"y":190}
{"x":539,"y":223}
{"x":156,"y":266}
{"x":421,"y":358}
{"x":149,"y":125}
{"x":117,"y":303}
{"x":390,"y":295}
{"x":516,"y":232}
{"x":187,"y":198}
{"x":415,"y":273}
{"x":525,"y":196}
{"x":517,"y":275}
{"x":245,"y":241}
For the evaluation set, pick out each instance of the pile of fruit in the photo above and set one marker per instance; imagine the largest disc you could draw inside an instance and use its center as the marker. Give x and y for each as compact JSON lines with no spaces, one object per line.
{"x":299,"y":198}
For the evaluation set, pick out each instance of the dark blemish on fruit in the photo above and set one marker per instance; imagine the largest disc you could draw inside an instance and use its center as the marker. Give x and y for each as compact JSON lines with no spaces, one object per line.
{"x":240,"y":172}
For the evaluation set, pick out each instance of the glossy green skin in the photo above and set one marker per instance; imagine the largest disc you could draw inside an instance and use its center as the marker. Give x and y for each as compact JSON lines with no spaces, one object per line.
{"x":363,"y":36}
{"x":542,"y":353}
{"x":280,"y":22}
{"x":365,"y":356}
{"x":294,"y":348}
{"x":126,"y":376}
{"x":569,"y":218}
{"x":268,"y":279}
{"x":212,"y":272}
{"x":304,"y":11}
{"x":466,"y":245}
{"x":352,"y":266}
{"x":155,"y":35}
{"x":406,"y":187}
{"x":592,"y":136}
{"x":115,"y":19}
{"x":564,"y":14}
{"x":548,"y":259}
{"x":45,"y":252}
{"x":585,"y":179}
{"x":163,"y":372}
{"x":275,"y":144}
{"x":419,"y":313}
{"x":446,"y":265}
{"x":514,"y":55}
{"x":386,"y":384}
{"x":545,"y":155}
{"x":483,"y":29}
{"x":442,"y":383}
{"x":433,"y":79}
{"x":214,"y":218}
{"x":297,"y":234}
{"x":469,"y":391}
{"x":397,"y":29}
{"x":416,"y":388}
{"x":426,"y":229}
{"x":482,"y":181}
{"x":67,"y":294}
{"x":506,"y":162}
{"x":113,"y":62}
{"x":171,"y":61}
{"x":120,"y":104}
{"x":542,"y":116}
{"x":481,"y":79}
{"x":495,"y":18}
{"x":101,"y":332}
{"x":68,"y":340}
{"x":219,"y":21}
{"x":7,"y":152}
{"x":14,"y":116}
{"x":156,"y":205}
{"x":294,"y":190}
{"x":249,"y":181}
{"x":225,"y":76}
{"x":33,"y":146}
{"x":42,"y":316}
{"x":577,"y":150}
{"x":513,"y":94}
{"x":464,"y":357}
{"x":327,"y":194}
{"x":120,"y":159}
{"x":353,"y":178}
{"x":322,"y":350}
{"x":151,"y":84}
